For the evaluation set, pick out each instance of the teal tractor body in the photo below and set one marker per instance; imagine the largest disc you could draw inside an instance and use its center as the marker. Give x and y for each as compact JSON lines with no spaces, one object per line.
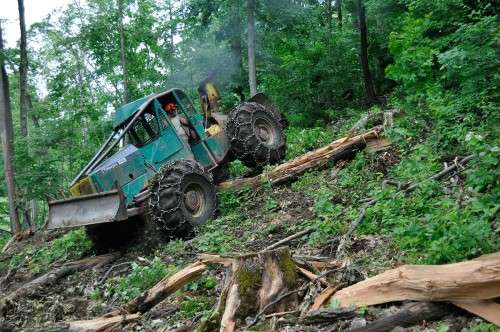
{"x":163,"y":159}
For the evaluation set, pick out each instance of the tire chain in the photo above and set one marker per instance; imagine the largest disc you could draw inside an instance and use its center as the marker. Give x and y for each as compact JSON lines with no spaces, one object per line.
{"x":158,"y":214}
{"x":243,"y":151}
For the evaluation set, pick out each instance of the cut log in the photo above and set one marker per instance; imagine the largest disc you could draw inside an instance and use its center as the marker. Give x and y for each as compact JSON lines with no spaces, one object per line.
{"x":336,"y":150}
{"x":54,"y":275}
{"x":323,"y":297}
{"x":216,"y":259}
{"x":413,"y":314}
{"x":377,"y":145}
{"x":477,"y":279}
{"x":164,"y":288}
{"x":486,"y":309}
{"x":98,"y":324}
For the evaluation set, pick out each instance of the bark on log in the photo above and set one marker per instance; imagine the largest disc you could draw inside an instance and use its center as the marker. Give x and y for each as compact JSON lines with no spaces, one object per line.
{"x":330,"y":315}
{"x":93,"y":325}
{"x":336,"y":150}
{"x":54,"y":275}
{"x":477,"y":279}
{"x":164,"y":288}
{"x":413,"y":314}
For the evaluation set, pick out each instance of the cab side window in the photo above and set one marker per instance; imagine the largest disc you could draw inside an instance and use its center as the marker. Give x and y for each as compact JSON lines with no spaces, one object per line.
{"x":145,"y":129}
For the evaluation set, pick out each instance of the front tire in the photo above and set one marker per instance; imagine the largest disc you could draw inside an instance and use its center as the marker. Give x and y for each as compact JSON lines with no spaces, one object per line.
{"x":183,"y":196}
{"x":256,"y":135}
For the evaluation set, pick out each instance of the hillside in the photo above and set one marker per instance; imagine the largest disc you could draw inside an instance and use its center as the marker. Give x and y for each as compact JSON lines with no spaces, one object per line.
{"x":404,"y":225}
{"x":395,"y":230}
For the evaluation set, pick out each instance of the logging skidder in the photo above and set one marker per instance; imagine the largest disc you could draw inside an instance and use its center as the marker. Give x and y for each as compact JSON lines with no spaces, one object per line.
{"x":161,"y":161}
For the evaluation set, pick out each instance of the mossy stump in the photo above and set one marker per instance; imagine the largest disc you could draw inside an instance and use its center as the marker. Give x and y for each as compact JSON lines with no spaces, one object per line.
{"x":255,"y":281}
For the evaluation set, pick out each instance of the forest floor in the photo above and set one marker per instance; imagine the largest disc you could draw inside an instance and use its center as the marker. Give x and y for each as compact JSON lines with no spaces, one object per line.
{"x":247,"y":221}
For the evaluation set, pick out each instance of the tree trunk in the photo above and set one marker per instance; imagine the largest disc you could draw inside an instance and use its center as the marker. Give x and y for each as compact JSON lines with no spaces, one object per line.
{"x":363,"y":33}
{"x":329,"y":13}
{"x":236,"y":52}
{"x":172,"y":28}
{"x":123,"y":54}
{"x":23,"y":73}
{"x":7,"y":138}
{"x":337,"y":150}
{"x":339,"y":12}
{"x":252,"y":75}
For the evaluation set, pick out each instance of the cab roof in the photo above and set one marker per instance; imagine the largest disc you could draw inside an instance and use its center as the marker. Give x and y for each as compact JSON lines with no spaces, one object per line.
{"x":126,"y":111}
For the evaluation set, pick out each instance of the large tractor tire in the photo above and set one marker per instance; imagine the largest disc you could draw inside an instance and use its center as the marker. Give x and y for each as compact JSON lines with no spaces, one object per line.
{"x":183,"y":196}
{"x":256,"y":135}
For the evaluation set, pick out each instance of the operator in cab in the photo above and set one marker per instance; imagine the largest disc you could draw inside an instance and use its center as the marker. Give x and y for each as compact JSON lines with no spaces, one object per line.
{"x":177,"y":121}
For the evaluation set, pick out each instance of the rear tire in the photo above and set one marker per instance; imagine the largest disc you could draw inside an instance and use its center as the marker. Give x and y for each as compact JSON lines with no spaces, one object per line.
{"x":183,"y":196}
{"x":256,"y":135}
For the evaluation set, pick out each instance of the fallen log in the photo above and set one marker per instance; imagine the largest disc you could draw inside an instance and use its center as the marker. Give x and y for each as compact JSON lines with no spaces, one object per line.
{"x":143,"y":302}
{"x":328,"y":315}
{"x":487,"y":309}
{"x":164,"y":288}
{"x":336,"y":150}
{"x":412,"y":314}
{"x":477,"y":279}
{"x":54,"y":275}
{"x":98,"y":324}
{"x":324,"y":296}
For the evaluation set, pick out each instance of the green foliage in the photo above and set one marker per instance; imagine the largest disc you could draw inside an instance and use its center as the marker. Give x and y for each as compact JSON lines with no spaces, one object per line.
{"x":194,"y":306}
{"x":216,"y":235}
{"x":237,"y":169}
{"x":229,"y":201}
{"x":71,"y":246}
{"x":174,"y":247}
{"x":481,"y":327}
{"x":300,"y":140}
{"x":138,"y":280}
{"x":442,"y":327}
{"x":206,"y":282}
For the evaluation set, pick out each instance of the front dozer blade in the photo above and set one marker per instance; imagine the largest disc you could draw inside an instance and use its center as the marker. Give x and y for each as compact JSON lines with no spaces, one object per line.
{"x":84,"y":210}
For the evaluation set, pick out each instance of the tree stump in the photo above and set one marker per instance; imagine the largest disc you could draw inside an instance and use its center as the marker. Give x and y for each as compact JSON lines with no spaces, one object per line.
{"x":254,"y":286}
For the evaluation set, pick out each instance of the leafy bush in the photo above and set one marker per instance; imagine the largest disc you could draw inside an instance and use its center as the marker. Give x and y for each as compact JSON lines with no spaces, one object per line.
{"x":138,"y":280}
{"x":72,"y":245}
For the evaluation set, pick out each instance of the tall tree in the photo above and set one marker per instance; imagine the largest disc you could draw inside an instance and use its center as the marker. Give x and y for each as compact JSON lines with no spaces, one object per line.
{"x":123,"y":53}
{"x":23,"y":73}
{"x":252,"y":75}
{"x":7,"y":137}
{"x":236,"y":49}
{"x":363,"y":33}
{"x":339,"y":12}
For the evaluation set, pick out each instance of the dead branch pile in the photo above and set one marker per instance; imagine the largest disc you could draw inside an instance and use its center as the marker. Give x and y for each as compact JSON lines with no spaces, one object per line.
{"x":52,"y":276}
{"x":267,"y":287}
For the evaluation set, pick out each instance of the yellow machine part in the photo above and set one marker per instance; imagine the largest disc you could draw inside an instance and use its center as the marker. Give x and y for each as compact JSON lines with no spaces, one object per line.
{"x":214,"y":130}
{"x":82,"y":187}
